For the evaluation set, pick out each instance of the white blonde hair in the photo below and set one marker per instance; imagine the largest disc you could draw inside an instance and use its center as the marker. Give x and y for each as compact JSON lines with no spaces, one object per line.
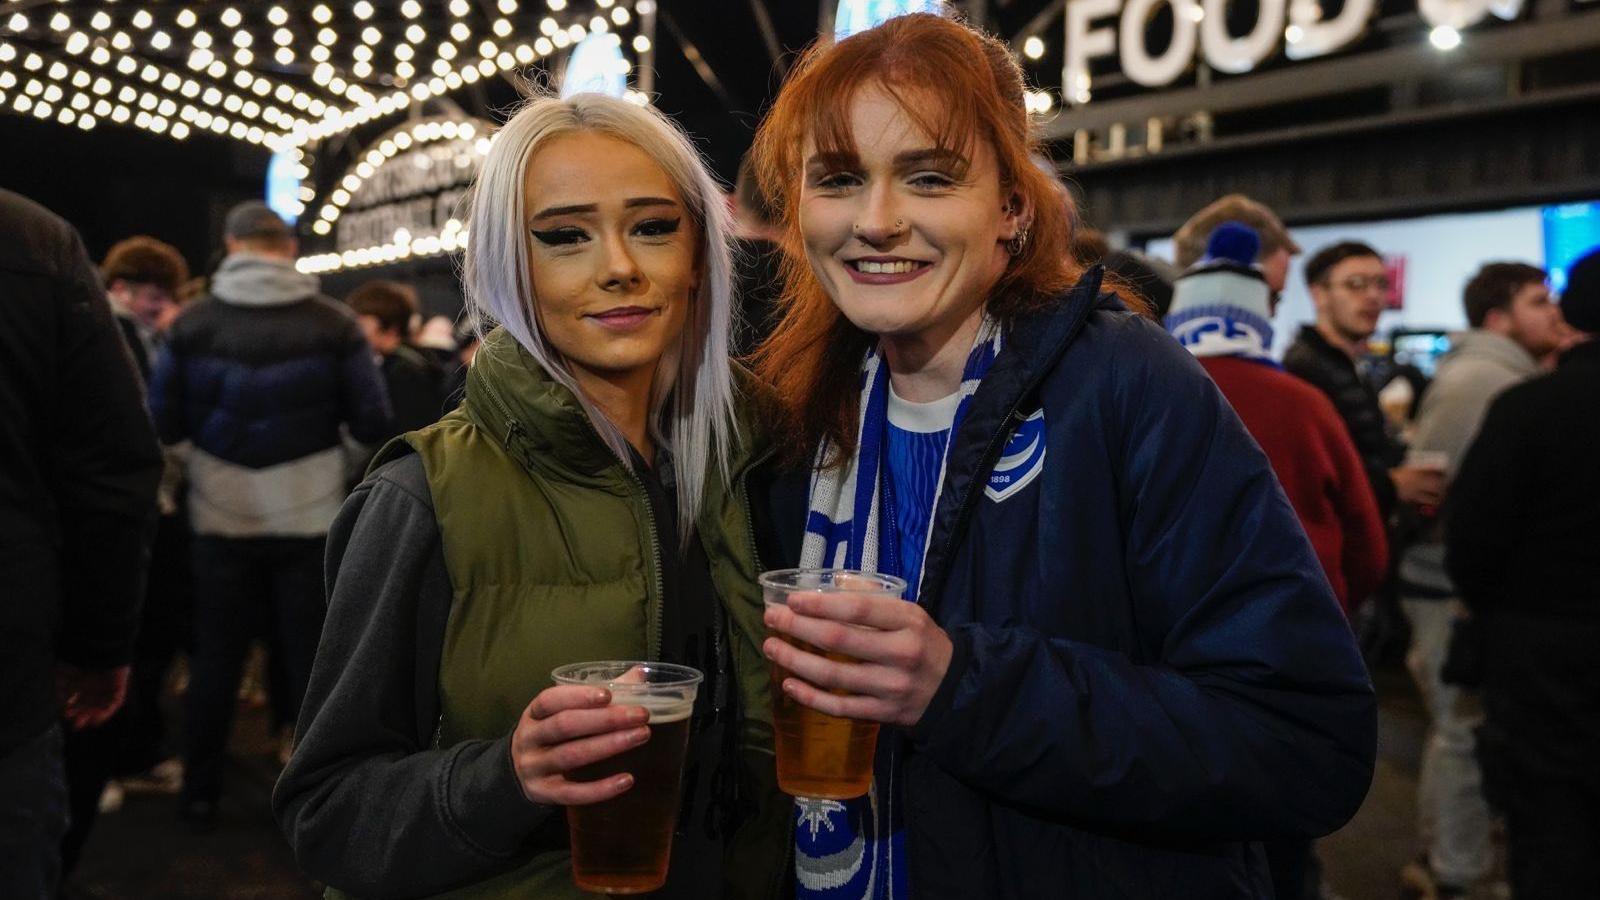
{"x":691,"y":407}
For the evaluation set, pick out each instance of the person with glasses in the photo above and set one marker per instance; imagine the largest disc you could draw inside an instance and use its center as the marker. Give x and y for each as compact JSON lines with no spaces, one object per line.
{"x":1349,"y":284}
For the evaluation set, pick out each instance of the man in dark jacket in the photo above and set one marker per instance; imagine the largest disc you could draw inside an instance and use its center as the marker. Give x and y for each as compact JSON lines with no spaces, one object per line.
{"x":259,"y":378}
{"x":78,"y":471}
{"x":385,"y":310}
{"x":1522,"y":544}
{"x":1348,"y":282}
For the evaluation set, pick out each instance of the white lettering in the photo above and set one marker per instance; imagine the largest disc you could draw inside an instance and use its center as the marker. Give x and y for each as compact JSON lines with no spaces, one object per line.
{"x":1085,"y":43}
{"x":1317,"y":37}
{"x":1227,"y":53}
{"x":1136,"y":59}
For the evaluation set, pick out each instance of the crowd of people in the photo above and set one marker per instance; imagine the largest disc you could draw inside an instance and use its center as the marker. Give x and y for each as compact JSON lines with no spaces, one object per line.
{"x":1137,"y":546}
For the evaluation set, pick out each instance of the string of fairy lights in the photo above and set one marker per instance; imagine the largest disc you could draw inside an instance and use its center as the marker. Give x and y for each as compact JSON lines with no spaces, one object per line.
{"x":285,"y":76}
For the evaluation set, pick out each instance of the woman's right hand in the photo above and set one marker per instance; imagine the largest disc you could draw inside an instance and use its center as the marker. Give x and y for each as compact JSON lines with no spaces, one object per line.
{"x":568,"y":727}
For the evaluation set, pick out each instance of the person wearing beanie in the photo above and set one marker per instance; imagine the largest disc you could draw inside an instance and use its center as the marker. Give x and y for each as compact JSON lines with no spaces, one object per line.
{"x":1522,"y":546}
{"x":1222,"y":313}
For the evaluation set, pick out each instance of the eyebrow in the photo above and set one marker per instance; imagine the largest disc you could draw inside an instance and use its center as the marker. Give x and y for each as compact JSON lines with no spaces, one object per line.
{"x":910,"y":159}
{"x":631,"y":203}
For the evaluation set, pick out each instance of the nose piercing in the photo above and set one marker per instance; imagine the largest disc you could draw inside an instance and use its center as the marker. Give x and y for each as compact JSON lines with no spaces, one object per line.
{"x":899,"y":226}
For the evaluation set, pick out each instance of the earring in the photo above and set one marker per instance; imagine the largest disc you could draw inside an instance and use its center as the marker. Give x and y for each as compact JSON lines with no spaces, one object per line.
{"x":1018,"y":241}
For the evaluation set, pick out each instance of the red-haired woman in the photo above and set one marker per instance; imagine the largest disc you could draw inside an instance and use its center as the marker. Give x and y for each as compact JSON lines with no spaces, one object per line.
{"x":1121,"y":666}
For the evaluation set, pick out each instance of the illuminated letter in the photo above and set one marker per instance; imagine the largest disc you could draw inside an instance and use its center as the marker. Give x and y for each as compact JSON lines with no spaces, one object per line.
{"x":1085,"y":43}
{"x":1316,"y":37}
{"x":1136,"y":59}
{"x":1227,"y":53}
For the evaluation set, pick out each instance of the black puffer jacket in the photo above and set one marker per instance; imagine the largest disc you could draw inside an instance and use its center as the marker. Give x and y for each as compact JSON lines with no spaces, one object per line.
{"x":1312,"y":358}
{"x":78,"y":470}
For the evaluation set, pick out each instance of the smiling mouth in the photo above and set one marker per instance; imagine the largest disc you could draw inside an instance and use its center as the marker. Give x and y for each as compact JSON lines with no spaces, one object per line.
{"x":886,"y":267}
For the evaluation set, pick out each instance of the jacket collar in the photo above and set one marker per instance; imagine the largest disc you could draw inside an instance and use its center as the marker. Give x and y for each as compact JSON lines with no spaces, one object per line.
{"x":1497,"y":348}
{"x":542,"y":425}
{"x":1035,"y":344}
{"x":1311,"y":337}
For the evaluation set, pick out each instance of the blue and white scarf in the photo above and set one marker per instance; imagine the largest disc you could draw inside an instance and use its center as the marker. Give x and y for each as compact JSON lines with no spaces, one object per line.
{"x":849,"y":850}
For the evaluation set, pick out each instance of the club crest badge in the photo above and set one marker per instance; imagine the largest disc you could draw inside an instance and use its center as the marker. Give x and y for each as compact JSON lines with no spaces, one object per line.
{"x":1021,"y":461}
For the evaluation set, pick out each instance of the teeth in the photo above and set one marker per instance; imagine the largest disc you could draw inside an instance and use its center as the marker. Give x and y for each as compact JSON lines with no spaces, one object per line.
{"x":899,"y":267}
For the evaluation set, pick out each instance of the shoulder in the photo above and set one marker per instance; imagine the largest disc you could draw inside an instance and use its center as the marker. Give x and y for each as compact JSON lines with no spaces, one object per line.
{"x":37,"y":241}
{"x":331,"y":315}
{"x":405,"y":475}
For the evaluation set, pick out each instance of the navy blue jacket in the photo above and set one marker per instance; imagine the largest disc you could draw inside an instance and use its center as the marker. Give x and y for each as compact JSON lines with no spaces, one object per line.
{"x":261,"y":376}
{"x":1150,"y":671}
{"x":259,"y":386}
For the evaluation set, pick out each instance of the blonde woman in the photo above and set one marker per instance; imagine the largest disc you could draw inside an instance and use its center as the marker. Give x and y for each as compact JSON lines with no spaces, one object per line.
{"x":584,"y":502}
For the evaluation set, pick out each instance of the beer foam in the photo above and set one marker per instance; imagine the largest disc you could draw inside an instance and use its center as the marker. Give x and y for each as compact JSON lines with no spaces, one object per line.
{"x":663,"y":710}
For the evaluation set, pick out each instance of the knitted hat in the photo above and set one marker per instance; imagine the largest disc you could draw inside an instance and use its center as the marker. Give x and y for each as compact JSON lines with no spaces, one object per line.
{"x":1580,"y":302}
{"x":1222,"y":305}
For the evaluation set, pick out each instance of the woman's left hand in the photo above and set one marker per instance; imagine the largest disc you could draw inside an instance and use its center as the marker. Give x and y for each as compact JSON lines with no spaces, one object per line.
{"x":902,"y":653}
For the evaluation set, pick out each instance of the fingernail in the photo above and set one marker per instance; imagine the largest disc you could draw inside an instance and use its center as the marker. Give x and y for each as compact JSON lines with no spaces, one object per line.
{"x":766,"y":648}
{"x":639,"y":736}
{"x":624,"y":780}
{"x":639,"y":714}
{"x":600,"y":696}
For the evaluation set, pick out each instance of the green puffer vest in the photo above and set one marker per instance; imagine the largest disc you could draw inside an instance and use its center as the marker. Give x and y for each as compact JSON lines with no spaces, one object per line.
{"x":553,"y":558}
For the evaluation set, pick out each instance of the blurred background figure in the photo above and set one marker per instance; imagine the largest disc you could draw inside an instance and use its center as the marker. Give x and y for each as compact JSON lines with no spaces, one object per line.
{"x":387,"y":311}
{"x":145,"y":280}
{"x":79,"y":467}
{"x":258,"y":379}
{"x":1277,"y":246}
{"x":756,"y":256}
{"x":1348,"y":281}
{"x":1514,"y":323}
{"x":1521,"y":550}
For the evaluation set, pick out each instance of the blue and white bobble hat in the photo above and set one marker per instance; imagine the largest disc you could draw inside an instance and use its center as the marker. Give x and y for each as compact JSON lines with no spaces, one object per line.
{"x":1226,"y":276}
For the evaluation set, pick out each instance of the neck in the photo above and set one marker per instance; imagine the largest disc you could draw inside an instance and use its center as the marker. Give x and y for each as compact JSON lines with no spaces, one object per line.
{"x":928,"y":365}
{"x":1351,"y":347}
{"x":624,"y":399}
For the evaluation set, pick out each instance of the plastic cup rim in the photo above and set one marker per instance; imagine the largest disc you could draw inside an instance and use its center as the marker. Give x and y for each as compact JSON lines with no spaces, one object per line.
{"x":887,"y":583}
{"x":689,"y":676}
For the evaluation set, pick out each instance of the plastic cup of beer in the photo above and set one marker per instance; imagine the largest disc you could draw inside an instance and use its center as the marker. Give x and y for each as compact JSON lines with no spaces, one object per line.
{"x":623,"y":845}
{"x":821,"y":756}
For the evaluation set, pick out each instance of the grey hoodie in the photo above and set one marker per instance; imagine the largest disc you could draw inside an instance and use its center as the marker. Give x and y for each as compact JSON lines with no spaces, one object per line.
{"x":1482,"y":365}
{"x":245,"y":279}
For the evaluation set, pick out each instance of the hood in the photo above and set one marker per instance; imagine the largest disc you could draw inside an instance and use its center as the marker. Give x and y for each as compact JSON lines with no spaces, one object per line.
{"x":1487,"y":346}
{"x":245,"y":279}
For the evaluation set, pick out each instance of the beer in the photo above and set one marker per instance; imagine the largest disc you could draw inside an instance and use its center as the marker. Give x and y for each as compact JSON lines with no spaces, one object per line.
{"x":622,"y":846}
{"x":819,"y":755}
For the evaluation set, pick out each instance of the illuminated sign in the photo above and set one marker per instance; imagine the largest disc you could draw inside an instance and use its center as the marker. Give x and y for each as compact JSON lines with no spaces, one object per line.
{"x":597,"y":66}
{"x":408,"y":188}
{"x":283,"y":187}
{"x":854,"y":16}
{"x":1200,"y":31}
